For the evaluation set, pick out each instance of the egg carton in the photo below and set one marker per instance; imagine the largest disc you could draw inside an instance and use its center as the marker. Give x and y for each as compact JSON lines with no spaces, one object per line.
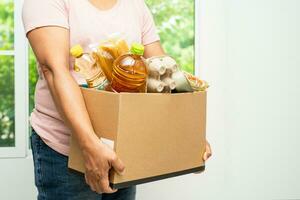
{"x":160,"y":70}
{"x":165,"y":76}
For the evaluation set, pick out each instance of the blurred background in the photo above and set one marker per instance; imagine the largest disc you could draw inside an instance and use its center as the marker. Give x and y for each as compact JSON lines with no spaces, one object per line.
{"x":249,"y":52}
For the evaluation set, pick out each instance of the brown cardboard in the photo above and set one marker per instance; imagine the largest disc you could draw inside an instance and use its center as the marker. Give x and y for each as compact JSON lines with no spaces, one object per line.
{"x":156,"y":135}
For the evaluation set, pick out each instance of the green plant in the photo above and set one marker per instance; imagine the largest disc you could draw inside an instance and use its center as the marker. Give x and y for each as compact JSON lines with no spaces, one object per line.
{"x":175,"y":22}
{"x":6,"y":74}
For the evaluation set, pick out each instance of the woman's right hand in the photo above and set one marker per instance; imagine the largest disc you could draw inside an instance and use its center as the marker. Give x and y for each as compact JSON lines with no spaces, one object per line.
{"x":51,"y":47}
{"x":99,"y":159}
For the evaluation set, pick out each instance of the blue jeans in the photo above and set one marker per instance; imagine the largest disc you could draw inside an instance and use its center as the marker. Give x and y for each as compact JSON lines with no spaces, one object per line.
{"x":55,"y":181}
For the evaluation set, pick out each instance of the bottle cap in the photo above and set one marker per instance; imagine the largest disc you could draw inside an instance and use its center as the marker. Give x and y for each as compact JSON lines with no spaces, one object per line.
{"x":76,"y":51}
{"x":137,"y":49}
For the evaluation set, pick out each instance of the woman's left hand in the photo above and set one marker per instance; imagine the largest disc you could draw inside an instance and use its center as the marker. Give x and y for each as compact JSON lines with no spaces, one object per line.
{"x":208,"y":152}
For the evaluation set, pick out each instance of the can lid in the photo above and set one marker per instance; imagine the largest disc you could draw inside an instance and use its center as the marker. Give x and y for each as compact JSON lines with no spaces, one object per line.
{"x":76,"y":51}
{"x":137,"y":49}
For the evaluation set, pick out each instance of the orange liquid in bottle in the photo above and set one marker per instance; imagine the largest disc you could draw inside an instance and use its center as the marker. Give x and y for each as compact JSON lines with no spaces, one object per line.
{"x":130,"y":72}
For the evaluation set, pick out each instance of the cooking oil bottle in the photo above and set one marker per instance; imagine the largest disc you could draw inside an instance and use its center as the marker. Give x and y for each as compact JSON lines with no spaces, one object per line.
{"x":130,"y":72}
{"x":86,"y":65}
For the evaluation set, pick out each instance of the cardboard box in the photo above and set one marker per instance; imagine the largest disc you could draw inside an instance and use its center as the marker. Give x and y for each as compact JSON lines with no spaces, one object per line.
{"x":157,"y":136}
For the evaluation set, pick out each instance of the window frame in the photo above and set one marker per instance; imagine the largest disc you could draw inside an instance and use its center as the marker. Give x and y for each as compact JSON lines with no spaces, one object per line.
{"x":21,"y":66}
{"x":20,"y":150}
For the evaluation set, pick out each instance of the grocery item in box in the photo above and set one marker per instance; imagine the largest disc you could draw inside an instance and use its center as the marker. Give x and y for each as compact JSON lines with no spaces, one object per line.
{"x":86,"y":65}
{"x":104,"y":60}
{"x":155,"y":86}
{"x":182,"y":83}
{"x":129,"y":71}
{"x":161,"y":69}
{"x":196,"y":83}
{"x":108,"y":51}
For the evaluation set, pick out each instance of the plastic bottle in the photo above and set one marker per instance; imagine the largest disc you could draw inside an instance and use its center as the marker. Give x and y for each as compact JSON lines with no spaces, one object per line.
{"x":130,"y":72}
{"x":86,"y":65}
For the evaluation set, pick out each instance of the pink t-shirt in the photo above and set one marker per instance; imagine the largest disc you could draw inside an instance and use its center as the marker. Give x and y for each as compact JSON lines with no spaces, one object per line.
{"x":87,"y":25}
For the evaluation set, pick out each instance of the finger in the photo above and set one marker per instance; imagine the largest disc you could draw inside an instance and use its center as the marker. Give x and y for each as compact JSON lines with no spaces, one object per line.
{"x":104,"y":183}
{"x":93,"y":186}
{"x":99,"y":189}
{"x":86,"y":179}
{"x":118,"y":165}
{"x":91,"y":183}
{"x":206,"y":156}
{"x":208,"y":148}
{"x":208,"y":152}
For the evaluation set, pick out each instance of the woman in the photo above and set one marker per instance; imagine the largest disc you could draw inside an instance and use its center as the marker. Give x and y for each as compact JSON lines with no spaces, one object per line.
{"x":52,"y":27}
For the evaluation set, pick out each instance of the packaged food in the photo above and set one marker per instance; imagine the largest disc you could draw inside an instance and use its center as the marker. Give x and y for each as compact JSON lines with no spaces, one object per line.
{"x":196,"y":83}
{"x":129,"y":71}
{"x":86,"y":65}
{"x":105,"y":61}
{"x":108,"y":51}
{"x":121,"y":46}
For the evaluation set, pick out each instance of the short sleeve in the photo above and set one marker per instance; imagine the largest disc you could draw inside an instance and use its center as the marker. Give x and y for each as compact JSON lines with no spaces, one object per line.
{"x":149,"y":31}
{"x":40,"y":13}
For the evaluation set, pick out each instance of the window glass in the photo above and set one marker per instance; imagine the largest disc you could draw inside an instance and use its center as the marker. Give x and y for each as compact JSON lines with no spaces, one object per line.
{"x":175,"y":20}
{"x":33,"y":76}
{"x":6,"y":25}
{"x":7,"y":111}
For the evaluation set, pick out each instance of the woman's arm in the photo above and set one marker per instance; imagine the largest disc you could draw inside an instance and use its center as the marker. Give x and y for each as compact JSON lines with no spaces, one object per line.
{"x":154,"y":49}
{"x":51,"y":47}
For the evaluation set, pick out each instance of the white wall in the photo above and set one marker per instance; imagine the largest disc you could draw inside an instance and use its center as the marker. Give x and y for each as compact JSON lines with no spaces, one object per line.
{"x":250,"y":53}
{"x":16,"y":179}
